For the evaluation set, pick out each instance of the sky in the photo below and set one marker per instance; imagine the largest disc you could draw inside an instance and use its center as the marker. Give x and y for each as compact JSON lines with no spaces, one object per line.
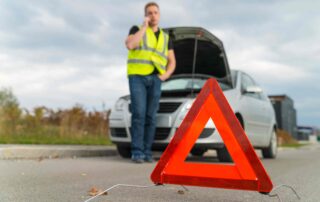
{"x":64,"y":52}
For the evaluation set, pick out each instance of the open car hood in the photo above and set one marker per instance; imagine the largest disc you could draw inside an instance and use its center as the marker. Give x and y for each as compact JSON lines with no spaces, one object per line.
{"x":210,"y":57}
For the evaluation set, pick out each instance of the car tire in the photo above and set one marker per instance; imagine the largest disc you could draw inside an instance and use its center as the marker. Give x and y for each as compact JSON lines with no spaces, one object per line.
{"x":223,"y":155}
{"x":124,"y":151}
{"x":198,"y":151}
{"x":271,"y":151}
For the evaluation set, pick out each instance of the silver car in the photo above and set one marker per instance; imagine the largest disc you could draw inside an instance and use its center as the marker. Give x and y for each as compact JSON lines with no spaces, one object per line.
{"x":200,"y":55}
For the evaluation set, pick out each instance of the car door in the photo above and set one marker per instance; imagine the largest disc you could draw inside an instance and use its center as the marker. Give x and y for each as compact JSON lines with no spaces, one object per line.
{"x":253,"y":110}
{"x":268,"y":118}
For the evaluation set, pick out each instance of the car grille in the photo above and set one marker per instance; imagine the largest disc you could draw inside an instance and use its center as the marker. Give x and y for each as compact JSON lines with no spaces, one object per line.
{"x":118,"y":132}
{"x":206,"y":132}
{"x":162,"y":133}
{"x":165,"y":107}
{"x":168,"y":107}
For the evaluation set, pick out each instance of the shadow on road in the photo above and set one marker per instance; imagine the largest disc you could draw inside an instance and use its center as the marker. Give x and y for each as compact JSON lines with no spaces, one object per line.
{"x":207,"y":158}
{"x":198,"y":159}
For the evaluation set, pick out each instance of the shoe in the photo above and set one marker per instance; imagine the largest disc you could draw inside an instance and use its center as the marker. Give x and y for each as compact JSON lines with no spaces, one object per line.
{"x":137,"y":159}
{"x":149,"y":159}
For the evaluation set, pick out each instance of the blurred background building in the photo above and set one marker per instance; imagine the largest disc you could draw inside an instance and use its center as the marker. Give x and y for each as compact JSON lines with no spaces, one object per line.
{"x":286,"y":114}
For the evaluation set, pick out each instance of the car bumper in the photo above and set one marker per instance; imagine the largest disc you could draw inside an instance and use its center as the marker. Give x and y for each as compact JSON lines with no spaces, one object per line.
{"x":167,"y":124}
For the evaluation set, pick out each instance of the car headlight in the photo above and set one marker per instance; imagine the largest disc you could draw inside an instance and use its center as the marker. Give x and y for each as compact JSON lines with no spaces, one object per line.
{"x":119,"y":105}
{"x":188,"y":106}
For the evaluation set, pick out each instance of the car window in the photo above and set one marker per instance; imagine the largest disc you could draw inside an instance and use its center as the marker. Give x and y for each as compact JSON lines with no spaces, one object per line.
{"x":246,"y":81}
{"x":182,"y":84}
{"x":176,"y":84}
{"x":234,"y":77}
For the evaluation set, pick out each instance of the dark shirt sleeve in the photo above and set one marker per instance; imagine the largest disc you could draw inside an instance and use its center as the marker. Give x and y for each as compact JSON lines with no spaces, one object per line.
{"x":170,"y":45}
{"x":133,"y":30}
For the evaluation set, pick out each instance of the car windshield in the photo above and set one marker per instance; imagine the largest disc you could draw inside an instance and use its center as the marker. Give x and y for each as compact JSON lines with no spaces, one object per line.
{"x":186,"y":83}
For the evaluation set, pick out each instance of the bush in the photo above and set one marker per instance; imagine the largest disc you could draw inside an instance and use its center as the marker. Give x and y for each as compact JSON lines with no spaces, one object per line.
{"x":10,"y":112}
{"x":47,"y":126}
{"x":284,"y":138}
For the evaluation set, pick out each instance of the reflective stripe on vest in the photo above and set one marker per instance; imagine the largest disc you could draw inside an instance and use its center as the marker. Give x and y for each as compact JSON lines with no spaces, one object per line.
{"x":135,"y":61}
{"x":150,"y":54}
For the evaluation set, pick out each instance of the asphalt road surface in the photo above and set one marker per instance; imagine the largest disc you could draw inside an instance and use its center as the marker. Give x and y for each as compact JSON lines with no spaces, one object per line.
{"x":45,"y":180}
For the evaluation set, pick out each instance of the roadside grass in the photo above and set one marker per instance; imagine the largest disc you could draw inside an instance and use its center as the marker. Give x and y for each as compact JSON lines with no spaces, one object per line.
{"x":286,"y":140}
{"x":42,"y":125}
{"x":53,"y":134}
{"x":54,"y":139}
{"x":294,"y":145}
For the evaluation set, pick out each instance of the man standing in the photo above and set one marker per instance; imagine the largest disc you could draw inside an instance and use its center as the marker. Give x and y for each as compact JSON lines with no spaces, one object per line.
{"x":150,"y":60}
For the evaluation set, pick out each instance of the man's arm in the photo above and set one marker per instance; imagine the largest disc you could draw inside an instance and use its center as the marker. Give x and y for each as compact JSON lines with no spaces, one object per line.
{"x":133,"y":40}
{"x":170,"y":66}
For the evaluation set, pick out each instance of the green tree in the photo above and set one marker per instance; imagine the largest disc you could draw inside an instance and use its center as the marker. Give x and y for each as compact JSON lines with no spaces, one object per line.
{"x":10,"y":112}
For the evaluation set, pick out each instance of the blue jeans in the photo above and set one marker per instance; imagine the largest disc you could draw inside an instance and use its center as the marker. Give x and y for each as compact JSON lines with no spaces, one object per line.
{"x":145,"y":92}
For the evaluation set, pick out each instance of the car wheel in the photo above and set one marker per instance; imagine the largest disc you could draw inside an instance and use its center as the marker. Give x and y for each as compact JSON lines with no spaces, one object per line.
{"x":223,"y":155}
{"x":124,"y":151}
{"x":198,"y":151}
{"x":271,"y":151}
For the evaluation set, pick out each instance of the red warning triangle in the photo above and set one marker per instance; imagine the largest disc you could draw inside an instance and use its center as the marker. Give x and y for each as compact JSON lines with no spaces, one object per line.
{"x":246,"y":173}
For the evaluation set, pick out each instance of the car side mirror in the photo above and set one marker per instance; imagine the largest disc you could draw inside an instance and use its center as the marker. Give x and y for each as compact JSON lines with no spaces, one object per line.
{"x":253,"y":89}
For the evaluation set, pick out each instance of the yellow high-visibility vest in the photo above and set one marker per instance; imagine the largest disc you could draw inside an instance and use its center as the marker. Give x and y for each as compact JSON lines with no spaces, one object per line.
{"x":150,"y":54}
